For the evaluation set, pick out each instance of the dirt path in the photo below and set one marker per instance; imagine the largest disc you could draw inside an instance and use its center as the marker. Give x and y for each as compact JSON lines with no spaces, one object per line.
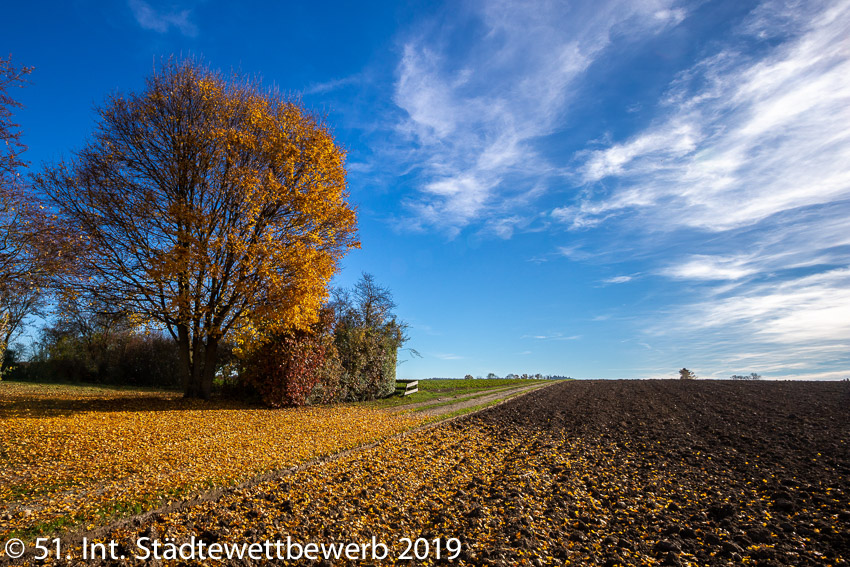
{"x":452,"y":404}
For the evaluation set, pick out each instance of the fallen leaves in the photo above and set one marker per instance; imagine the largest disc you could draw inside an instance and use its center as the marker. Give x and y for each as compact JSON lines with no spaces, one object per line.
{"x":83,"y":455}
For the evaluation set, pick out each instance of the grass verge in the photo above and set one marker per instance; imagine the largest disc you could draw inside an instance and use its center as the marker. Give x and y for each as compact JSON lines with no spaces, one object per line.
{"x":438,"y":388}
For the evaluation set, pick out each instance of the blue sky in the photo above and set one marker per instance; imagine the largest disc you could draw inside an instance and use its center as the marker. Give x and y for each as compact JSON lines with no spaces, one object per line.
{"x":595,"y":189}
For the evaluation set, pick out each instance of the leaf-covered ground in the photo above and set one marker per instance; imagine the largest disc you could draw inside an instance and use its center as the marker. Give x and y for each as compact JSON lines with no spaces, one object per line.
{"x":603,"y":473}
{"x":580,"y":473}
{"x":73,"y":455}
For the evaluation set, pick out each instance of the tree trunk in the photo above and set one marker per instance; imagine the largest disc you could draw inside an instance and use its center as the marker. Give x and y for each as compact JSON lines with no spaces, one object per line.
{"x":196,"y":367}
{"x":185,"y":351}
{"x":198,"y":362}
{"x":192,"y":363}
{"x":4,"y":340}
{"x":208,"y":374}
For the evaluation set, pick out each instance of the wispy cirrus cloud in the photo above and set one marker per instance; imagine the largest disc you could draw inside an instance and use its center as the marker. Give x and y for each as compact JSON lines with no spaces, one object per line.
{"x":162,"y":21}
{"x":810,"y":309}
{"x":704,"y":267}
{"x":813,"y":238}
{"x":472,"y":113}
{"x":553,"y":337}
{"x":448,"y":356}
{"x":332,"y":85}
{"x":618,"y":279}
{"x":797,"y":328}
{"x":742,"y":139}
{"x":779,"y":307}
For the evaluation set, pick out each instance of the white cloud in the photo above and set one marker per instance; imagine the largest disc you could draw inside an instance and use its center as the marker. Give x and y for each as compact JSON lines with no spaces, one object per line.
{"x":669,"y":143}
{"x":332,"y":85}
{"x":161,"y":22}
{"x":673,"y":17}
{"x":701,"y":267}
{"x":553,"y":337}
{"x":574,"y":252}
{"x":504,"y":227}
{"x":754,"y":139}
{"x":473,"y":113}
{"x":618,"y":279}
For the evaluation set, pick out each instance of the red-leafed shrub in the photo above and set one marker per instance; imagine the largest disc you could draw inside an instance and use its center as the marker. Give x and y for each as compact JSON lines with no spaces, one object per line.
{"x":295,"y":367}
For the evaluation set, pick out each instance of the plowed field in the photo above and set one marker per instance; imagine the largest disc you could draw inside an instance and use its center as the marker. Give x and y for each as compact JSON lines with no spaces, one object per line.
{"x":580,"y":473}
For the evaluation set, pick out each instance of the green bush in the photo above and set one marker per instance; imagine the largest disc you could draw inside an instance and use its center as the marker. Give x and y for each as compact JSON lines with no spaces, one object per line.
{"x":367,"y":337}
{"x":368,"y":359}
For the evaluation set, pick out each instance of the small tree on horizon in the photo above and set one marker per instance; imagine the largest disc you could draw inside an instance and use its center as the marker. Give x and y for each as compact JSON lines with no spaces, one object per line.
{"x":685,"y":374}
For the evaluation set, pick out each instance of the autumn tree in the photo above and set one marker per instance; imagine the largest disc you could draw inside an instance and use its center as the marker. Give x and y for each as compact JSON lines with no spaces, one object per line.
{"x":208,"y":206}
{"x":23,"y":256}
{"x":12,"y":147}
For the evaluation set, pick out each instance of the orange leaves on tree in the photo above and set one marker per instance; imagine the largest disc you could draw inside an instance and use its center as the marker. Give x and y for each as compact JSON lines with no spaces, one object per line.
{"x":208,"y":206}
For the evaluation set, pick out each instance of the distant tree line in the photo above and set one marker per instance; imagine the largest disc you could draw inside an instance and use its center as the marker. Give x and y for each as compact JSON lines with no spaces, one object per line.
{"x":685,"y":374}
{"x":538,"y":376}
{"x":750,"y":376}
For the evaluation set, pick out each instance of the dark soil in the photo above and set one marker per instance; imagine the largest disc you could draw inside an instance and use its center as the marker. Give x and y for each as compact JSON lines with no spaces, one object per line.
{"x":580,"y":473}
{"x":750,"y":472}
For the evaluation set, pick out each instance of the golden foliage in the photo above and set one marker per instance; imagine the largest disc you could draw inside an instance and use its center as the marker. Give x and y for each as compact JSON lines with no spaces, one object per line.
{"x":80,"y":455}
{"x":208,"y":206}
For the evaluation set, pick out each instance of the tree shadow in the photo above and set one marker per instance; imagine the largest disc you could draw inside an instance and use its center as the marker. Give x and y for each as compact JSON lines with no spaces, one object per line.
{"x":34,"y":406}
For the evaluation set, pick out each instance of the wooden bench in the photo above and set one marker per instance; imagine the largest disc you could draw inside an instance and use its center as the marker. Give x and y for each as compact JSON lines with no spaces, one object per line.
{"x":406,"y":387}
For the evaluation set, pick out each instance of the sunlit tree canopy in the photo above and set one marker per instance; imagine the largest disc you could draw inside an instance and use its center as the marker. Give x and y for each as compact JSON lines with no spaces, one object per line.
{"x":206,"y":205}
